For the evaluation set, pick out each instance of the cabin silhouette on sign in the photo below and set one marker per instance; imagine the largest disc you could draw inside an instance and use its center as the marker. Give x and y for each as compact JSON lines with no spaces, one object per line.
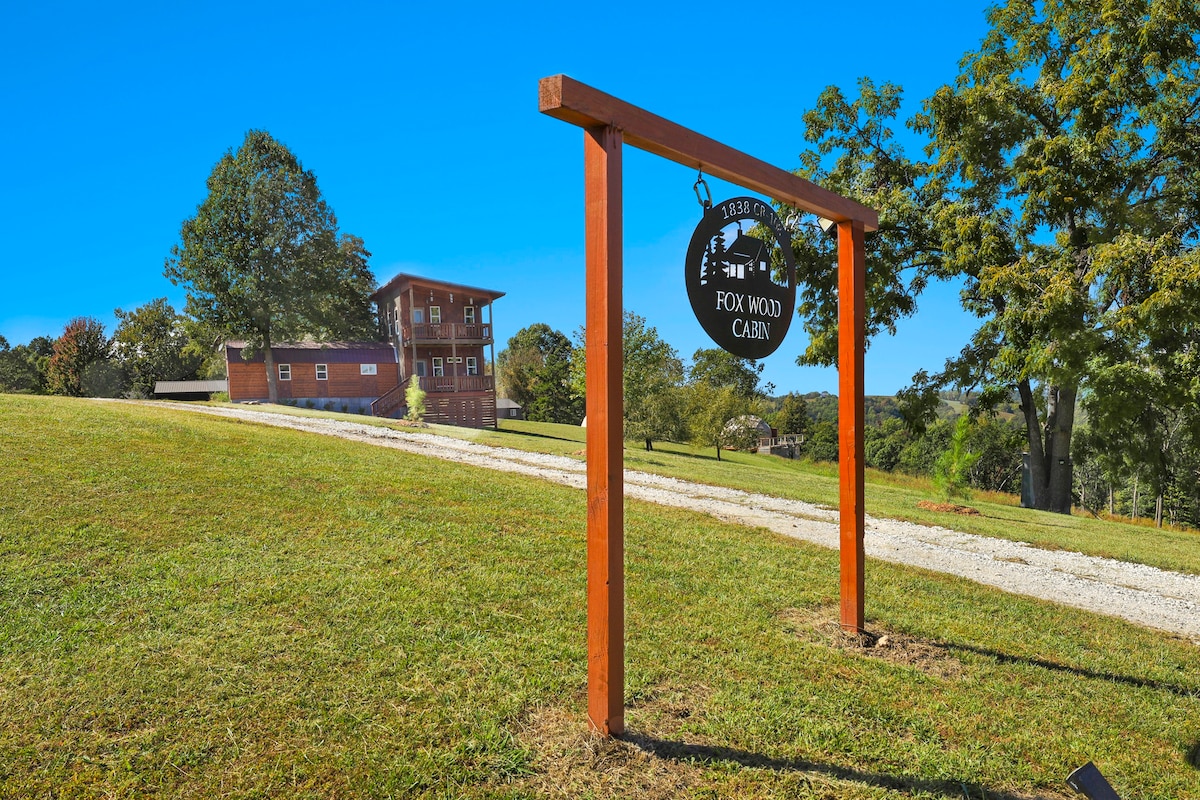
{"x":747,"y":259}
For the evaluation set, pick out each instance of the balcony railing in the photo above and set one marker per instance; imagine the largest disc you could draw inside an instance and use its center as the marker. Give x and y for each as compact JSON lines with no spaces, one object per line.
{"x":449,"y":331}
{"x":457,"y":383}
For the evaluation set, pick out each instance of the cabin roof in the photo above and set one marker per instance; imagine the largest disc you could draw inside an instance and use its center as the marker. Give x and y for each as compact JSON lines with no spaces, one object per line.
{"x":401,"y":283}
{"x":317,"y":353}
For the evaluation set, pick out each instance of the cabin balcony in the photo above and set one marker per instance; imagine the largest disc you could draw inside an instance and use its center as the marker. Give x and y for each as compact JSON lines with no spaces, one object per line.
{"x":457,"y":383}
{"x":447,"y":332}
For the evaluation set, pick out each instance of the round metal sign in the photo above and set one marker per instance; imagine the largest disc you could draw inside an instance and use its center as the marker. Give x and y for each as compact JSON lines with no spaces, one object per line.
{"x":742,"y":287}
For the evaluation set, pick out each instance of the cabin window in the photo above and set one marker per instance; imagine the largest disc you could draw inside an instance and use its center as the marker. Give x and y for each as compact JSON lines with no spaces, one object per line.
{"x":285,"y":372}
{"x":435,"y":315}
{"x":469,"y":315}
{"x":439,"y":368}
{"x":421,"y":373}
{"x":368,"y":369}
{"x":322,"y":372}
{"x":472,"y":365}
{"x":418,"y":316}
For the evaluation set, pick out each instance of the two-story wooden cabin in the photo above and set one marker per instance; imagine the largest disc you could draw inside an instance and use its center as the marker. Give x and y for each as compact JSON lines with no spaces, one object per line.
{"x":443,"y":334}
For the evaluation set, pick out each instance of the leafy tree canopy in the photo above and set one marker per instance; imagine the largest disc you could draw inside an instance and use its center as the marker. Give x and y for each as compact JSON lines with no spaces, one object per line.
{"x":535,"y":371}
{"x":651,"y":376}
{"x":150,"y":345}
{"x":716,"y":413}
{"x":1060,"y":186}
{"x":23,"y":368}
{"x":263,"y":260}
{"x":78,"y":366}
{"x":718,"y":367}
{"x":792,"y":416}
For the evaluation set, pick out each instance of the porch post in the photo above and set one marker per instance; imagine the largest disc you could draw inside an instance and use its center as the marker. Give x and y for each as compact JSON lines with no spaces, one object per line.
{"x":412,"y":303}
{"x":852,"y":272}
{"x":492,"y":347}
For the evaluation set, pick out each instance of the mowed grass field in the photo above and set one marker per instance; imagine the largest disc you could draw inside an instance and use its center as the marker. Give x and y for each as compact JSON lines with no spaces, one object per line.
{"x":197,"y":607}
{"x":890,"y":495}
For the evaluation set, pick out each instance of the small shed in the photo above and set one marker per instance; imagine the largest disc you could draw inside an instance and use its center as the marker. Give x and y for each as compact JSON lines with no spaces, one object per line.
{"x":509,"y":409}
{"x":189,"y":390}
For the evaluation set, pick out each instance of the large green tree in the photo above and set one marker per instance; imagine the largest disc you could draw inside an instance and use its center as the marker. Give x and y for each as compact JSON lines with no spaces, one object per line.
{"x":263,"y":260}
{"x":716,"y":416}
{"x":792,"y":417}
{"x":535,"y":371}
{"x":150,"y":344}
{"x":23,"y":368}
{"x":1062,"y":172}
{"x":653,"y":375}
{"x":652,"y":378}
{"x":1143,"y":406}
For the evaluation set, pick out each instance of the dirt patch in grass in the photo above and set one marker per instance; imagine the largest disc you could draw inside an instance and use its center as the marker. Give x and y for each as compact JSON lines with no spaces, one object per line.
{"x":569,"y":760}
{"x":822,"y":624}
{"x":948,"y":508}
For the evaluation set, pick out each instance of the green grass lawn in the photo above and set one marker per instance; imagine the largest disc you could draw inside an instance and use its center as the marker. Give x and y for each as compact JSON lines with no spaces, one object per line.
{"x":887,"y":495}
{"x":199,"y":607}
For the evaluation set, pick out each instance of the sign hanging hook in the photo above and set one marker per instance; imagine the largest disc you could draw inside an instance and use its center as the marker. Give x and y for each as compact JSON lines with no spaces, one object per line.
{"x":706,"y":201}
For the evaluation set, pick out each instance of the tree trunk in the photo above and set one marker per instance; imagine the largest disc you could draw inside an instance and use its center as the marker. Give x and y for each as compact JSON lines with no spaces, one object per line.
{"x":269,"y":363}
{"x":1037,"y":457}
{"x":1110,"y":499}
{"x":1059,"y":425}
{"x":1134,"y":515}
{"x":1158,"y":510}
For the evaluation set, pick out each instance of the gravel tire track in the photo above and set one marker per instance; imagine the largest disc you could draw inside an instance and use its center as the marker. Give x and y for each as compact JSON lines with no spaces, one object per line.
{"x":1155,"y":598}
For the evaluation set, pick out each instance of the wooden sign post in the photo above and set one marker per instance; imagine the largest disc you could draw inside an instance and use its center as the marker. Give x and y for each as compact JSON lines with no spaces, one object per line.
{"x":609,"y":123}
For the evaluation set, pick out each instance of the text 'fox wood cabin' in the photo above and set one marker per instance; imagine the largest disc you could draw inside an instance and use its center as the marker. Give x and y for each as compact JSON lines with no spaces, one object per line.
{"x":439,"y":334}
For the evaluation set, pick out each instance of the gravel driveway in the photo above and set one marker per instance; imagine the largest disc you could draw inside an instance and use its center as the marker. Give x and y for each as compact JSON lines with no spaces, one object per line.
{"x":1155,"y":598}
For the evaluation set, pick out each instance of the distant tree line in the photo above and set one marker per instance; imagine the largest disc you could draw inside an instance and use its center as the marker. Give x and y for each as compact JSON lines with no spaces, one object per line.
{"x":150,"y":343}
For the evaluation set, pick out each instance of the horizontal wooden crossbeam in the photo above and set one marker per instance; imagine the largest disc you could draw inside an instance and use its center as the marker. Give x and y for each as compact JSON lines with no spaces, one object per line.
{"x":571,"y":101}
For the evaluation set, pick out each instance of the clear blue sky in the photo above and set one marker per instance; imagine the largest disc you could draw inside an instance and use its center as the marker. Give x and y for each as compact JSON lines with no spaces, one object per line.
{"x":421,"y":124}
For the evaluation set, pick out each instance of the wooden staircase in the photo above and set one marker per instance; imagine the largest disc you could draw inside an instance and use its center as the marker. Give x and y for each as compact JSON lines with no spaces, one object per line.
{"x":390,"y":401}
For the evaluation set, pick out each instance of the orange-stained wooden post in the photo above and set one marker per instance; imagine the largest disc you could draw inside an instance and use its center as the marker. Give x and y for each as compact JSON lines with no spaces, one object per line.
{"x":605,"y":443}
{"x":852,"y":282}
{"x":608,"y":122}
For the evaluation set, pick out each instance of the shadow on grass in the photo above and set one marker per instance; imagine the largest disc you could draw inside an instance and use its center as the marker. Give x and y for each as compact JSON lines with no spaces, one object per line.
{"x":1193,"y":755}
{"x":1042,"y":523}
{"x":710,"y":755}
{"x":533,"y":435}
{"x":1128,"y":680}
{"x":701,"y":456}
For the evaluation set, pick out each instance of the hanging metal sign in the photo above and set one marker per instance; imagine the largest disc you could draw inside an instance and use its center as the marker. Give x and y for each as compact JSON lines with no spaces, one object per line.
{"x":741,"y":285}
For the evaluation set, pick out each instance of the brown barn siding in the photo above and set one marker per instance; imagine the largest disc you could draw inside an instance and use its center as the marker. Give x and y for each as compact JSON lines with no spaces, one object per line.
{"x":249,"y":381}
